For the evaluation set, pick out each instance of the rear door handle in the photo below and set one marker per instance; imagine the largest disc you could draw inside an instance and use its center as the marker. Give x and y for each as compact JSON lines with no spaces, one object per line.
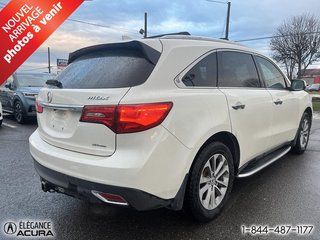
{"x":278,"y":102}
{"x":238,"y":105}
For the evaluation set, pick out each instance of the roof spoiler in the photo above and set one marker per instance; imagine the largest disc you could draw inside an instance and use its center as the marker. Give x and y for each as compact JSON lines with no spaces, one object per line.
{"x":149,"y":53}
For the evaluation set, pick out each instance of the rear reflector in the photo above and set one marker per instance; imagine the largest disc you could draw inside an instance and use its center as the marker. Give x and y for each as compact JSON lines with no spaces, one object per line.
{"x":39,"y":108}
{"x":110,"y":198}
{"x":127,"y":118}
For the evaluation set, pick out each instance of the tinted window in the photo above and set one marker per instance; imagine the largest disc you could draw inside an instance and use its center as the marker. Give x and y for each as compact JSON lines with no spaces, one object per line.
{"x":237,"y":70}
{"x":203,"y":74}
{"x":271,"y":75}
{"x":109,"y":69}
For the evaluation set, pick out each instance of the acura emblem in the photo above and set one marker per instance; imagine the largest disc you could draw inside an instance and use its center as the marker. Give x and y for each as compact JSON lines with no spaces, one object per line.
{"x":10,"y":228}
{"x":49,"y":97}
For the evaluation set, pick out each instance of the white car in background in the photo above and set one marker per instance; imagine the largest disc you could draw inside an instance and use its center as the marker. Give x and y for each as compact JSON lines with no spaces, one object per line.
{"x":1,"y":114}
{"x":166,"y":122}
{"x":313,"y":87}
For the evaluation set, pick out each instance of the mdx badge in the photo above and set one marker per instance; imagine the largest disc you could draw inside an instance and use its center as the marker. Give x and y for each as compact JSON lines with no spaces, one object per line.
{"x":99,"y":98}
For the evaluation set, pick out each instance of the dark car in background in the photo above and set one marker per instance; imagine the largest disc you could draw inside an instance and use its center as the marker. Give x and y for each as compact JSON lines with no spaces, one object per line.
{"x":19,"y":92}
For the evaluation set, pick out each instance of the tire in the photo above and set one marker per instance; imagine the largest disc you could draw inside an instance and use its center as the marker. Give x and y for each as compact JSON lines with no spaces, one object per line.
{"x":205,"y":200}
{"x":303,"y":134}
{"x":19,"y":112}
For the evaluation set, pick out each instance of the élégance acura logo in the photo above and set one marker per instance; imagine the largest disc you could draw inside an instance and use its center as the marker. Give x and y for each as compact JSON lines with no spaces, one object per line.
{"x":29,"y":228}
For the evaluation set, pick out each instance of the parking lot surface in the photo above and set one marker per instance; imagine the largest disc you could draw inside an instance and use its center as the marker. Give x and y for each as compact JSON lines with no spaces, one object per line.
{"x":285,"y":193}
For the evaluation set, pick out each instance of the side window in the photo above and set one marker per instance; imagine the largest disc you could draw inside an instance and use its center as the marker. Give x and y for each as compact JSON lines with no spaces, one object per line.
{"x":203,"y":74}
{"x":271,"y":75}
{"x":237,"y":70}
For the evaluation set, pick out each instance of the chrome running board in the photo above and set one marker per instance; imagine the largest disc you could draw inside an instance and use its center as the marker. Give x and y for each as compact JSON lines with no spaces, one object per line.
{"x":257,"y":165}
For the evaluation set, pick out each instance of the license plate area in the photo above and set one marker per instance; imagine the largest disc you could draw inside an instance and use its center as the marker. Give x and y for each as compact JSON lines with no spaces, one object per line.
{"x":59,"y":120}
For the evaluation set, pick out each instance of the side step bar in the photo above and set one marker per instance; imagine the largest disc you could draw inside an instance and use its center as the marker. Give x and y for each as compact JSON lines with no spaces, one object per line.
{"x":256,"y":165}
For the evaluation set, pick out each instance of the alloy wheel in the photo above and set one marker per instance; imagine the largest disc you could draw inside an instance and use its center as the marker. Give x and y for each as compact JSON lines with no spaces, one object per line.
{"x":18,"y":112}
{"x":214,"y":181}
{"x":304,"y":132}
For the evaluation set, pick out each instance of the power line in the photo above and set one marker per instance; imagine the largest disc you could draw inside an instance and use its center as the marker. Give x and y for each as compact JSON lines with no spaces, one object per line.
{"x":105,"y":26}
{"x":32,"y":69}
{"x":224,"y":2}
{"x":275,"y":36}
{"x":35,"y":68}
{"x":255,"y":39}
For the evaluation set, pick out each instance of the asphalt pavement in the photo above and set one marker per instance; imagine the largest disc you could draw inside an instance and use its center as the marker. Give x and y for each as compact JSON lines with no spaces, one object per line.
{"x":285,"y":193}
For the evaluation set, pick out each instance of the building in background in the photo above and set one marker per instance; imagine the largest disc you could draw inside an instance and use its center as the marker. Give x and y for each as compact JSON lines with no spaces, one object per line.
{"x":312,"y":76}
{"x":61,"y":64}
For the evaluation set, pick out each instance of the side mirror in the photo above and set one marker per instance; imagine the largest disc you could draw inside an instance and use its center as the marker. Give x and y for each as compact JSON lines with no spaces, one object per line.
{"x":298,"y":85}
{"x":8,"y":85}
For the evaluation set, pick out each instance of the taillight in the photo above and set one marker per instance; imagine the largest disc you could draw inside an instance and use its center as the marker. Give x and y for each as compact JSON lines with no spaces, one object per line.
{"x":127,"y":118}
{"x":140,"y":117}
{"x":39,"y":108}
{"x":99,"y":114}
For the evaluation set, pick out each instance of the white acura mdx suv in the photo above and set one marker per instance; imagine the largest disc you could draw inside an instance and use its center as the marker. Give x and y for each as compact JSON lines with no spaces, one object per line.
{"x":165,"y":122}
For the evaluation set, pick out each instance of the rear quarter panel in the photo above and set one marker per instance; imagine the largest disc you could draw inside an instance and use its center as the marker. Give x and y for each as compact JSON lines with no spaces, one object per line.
{"x":197,"y":113}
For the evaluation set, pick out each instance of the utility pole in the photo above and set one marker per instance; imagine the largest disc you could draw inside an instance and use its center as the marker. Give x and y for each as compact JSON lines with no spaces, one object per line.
{"x":49,"y":65}
{"x":226,"y":36}
{"x":228,"y":20}
{"x":145,"y":24}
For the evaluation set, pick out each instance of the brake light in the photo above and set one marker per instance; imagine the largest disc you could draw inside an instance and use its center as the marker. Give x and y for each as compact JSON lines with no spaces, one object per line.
{"x":127,"y":118}
{"x":39,"y":108}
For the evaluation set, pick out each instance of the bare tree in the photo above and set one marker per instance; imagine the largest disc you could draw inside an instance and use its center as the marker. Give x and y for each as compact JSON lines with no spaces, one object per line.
{"x":297,"y":43}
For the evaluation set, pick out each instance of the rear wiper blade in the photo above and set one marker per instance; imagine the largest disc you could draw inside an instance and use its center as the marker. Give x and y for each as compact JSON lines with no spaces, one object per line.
{"x":54,"y":82}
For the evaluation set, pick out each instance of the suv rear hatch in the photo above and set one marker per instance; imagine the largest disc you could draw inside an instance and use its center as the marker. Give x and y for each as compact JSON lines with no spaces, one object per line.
{"x":96,"y":76}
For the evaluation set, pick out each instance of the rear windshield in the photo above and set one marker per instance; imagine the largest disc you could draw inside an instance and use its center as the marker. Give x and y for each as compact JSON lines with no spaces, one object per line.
{"x":107,"y":69}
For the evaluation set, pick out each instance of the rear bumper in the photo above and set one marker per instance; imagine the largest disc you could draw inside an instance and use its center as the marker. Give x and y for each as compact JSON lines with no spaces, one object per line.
{"x":153,"y":162}
{"x":82,"y":189}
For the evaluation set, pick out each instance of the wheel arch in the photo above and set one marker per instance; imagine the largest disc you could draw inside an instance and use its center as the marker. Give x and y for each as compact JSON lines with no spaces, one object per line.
{"x":16,"y":99}
{"x":309,"y":111}
{"x":229,"y":140}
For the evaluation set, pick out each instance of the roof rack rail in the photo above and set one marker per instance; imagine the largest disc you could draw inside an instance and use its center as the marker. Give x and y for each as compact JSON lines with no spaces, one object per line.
{"x":168,"y":34}
{"x":188,"y":37}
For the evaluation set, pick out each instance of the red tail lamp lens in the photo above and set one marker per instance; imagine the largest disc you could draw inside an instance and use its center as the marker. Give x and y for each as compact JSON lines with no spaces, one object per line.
{"x":136,"y":118}
{"x":39,"y":108}
{"x":127,"y":118}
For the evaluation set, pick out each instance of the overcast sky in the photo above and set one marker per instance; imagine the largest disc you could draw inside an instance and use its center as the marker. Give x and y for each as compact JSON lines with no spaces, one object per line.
{"x":249,"y":19}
